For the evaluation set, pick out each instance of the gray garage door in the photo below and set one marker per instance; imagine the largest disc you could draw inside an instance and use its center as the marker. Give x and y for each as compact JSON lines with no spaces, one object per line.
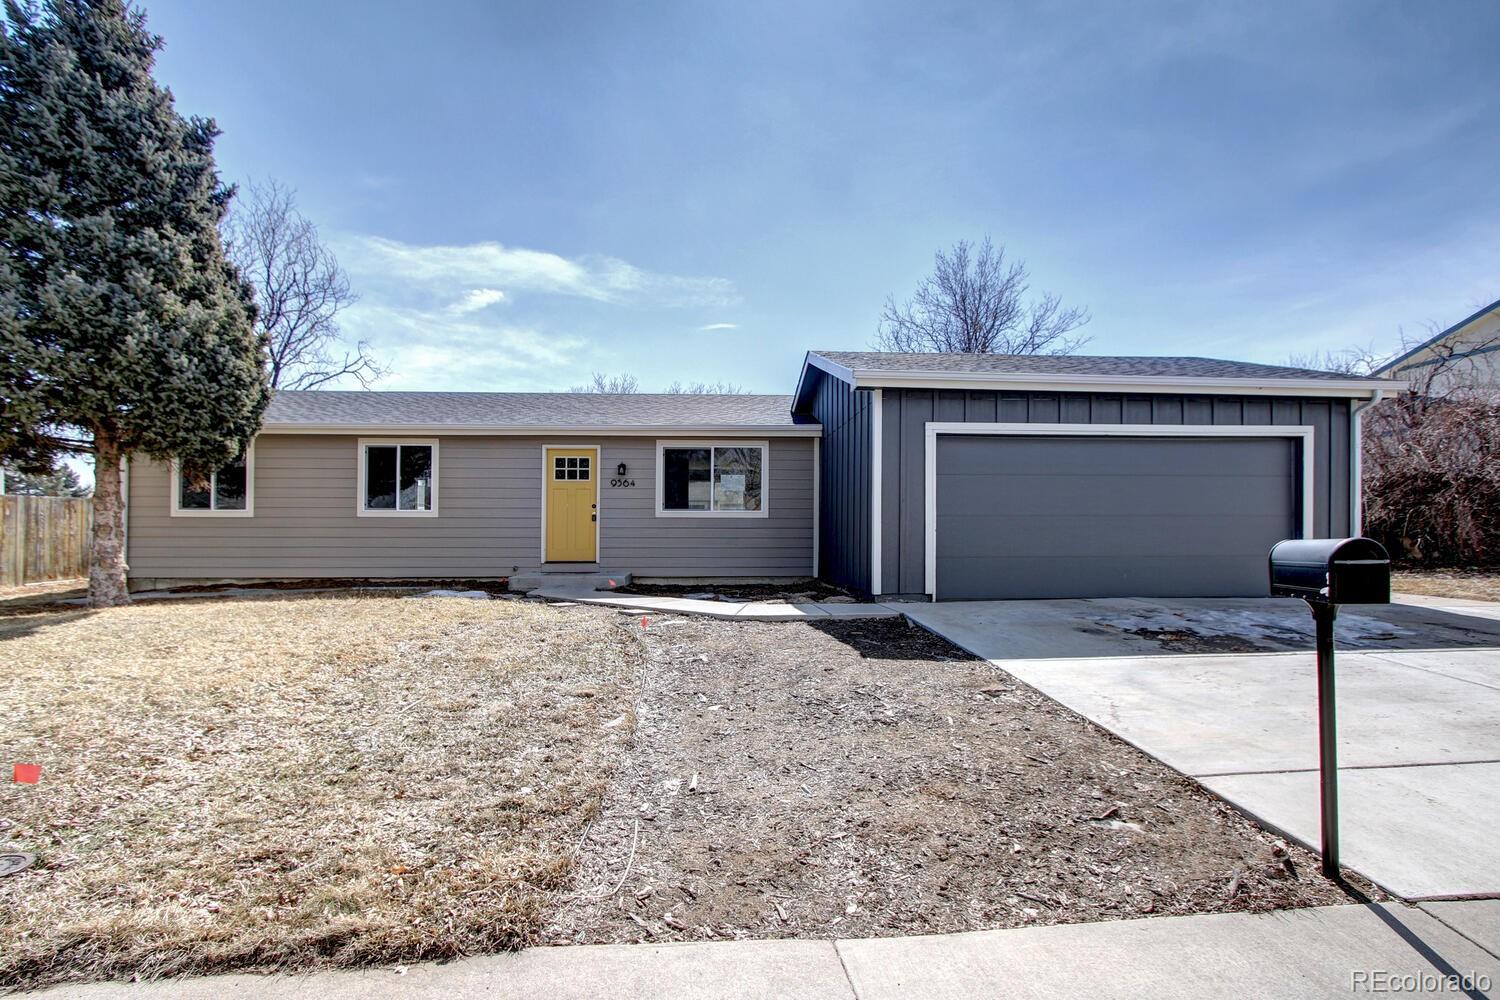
{"x":1021,"y":517}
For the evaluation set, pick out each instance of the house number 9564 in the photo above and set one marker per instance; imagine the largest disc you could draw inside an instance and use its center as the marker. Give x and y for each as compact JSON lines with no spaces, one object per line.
{"x":622,"y":482}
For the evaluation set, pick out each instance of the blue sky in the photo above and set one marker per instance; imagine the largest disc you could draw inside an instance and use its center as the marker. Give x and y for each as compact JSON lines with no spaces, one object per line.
{"x":525,"y":192}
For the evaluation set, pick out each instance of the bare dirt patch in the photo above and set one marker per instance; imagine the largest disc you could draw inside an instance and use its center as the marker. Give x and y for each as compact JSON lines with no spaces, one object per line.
{"x":316,"y":780}
{"x":866,"y":778}
{"x":1465,"y":584}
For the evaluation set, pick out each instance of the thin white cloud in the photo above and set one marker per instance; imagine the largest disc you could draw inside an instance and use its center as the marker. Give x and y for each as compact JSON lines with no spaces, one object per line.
{"x":711,"y":327}
{"x":426,"y":311}
{"x":491,"y":265}
{"x":476,"y":299}
{"x":440,"y":349}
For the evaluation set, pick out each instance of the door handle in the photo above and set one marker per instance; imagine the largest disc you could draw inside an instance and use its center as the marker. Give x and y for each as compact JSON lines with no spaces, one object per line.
{"x":594,"y":517}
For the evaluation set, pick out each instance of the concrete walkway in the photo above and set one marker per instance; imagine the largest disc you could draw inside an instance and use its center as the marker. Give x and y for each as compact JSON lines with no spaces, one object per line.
{"x":1452,"y":605}
{"x":1292,"y":954}
{"x":746,"y":611}
{"x":1418,"y":713}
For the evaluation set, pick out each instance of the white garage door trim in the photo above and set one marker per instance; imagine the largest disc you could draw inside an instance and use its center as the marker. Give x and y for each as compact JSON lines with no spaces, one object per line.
{"x":1303,"y":433}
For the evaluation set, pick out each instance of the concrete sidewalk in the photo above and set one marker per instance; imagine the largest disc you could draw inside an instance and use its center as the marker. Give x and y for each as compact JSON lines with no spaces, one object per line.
{"x":1316,"y":953}
{"x":745,"y":611}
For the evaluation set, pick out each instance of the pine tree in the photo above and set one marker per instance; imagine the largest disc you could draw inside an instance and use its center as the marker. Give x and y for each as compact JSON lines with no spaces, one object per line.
{"x":123,"y":329}
{"x":60,"y":482}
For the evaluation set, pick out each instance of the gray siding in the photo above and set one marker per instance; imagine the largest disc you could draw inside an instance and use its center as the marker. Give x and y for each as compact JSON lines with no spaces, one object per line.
{"x":844,"y":484}
{"x":906,"y":412}
{"x":489,"y":523}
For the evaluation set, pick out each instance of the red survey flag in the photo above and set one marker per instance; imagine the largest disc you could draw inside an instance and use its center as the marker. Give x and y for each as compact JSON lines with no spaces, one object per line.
{"x":27,"y":774}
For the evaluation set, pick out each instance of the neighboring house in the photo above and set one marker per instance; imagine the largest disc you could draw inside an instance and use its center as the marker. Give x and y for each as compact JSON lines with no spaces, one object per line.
{"x":1463,"y":358}
{"x":928,"y":475}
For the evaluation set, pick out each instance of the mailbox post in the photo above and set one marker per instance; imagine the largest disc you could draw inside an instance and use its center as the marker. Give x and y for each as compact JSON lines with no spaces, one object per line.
{"x":1327,"y":572}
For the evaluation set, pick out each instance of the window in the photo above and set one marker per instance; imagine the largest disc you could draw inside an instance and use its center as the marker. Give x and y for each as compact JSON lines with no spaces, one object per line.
{"x":571,"y":467}
{"x":398,"y":478}
{"x":709,"y":478}
{"x":224,"y":492}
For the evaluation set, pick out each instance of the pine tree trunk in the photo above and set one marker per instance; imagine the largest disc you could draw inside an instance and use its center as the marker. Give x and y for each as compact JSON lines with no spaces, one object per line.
{"x":107,"y":587}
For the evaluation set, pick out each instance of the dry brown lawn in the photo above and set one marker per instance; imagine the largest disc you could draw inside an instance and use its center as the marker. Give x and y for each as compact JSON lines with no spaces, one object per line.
{"x":1467,"y":584}
{"x":330,"y":779}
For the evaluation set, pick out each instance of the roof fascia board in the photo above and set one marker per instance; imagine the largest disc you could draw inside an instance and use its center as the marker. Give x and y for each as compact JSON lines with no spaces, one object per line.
{"x":815,"y":360}
{"x":511,"y":430}
{"x":1391,"y":366}
{"x":1351,"y":388}
{"x":1459,"y":356}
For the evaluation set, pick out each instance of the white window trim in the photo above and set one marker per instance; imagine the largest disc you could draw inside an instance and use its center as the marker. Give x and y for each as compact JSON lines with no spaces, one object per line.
{"x":362,"y":446}
{"x":1303,"y":433}
{"x":177,"y":510}
{"x":765,"y":477}
{"x":598,"y":498}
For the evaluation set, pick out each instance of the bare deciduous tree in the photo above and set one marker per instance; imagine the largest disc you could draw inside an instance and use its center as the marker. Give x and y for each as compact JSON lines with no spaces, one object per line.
{"x":705,"y":389}
{"x":1350,"y":361}
{"x":975,"y":302}
{"x":299,"y":288}
{"x":626,"y":383}
{"x":616,"y":384}
{"x":1431,"y":460}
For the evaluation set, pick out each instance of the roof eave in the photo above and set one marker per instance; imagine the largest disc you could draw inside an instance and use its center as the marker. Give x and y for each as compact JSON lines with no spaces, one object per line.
{"x":538,"y":430}
{"x":813,"y":360}
{"x":1395,"y":365}
{"x":1045,"y":382}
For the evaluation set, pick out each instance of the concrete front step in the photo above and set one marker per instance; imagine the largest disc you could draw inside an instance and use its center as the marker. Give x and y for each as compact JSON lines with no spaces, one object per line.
{"x":575,"y":580}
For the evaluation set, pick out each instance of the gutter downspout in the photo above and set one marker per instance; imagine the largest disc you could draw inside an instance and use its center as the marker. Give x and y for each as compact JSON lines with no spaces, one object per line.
{"x":125,"y":516}
{"x":1356,"y":471}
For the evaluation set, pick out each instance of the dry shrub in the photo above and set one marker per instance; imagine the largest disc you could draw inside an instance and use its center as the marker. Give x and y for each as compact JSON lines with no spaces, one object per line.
{"x":1432,"y":479}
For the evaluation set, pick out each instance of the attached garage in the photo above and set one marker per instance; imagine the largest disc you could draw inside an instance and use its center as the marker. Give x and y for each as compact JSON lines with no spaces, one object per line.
{"x":1051,"y":514}
{"x":987,"y":476}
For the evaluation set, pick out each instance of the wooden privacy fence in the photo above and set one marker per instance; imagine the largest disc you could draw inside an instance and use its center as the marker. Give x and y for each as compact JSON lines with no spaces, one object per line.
{"x":44,"y":538}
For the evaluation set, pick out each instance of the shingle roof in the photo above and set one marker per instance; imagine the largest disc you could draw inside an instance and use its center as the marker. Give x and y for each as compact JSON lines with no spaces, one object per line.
{"x":1069,"y":364}
{"x":376,"y":409}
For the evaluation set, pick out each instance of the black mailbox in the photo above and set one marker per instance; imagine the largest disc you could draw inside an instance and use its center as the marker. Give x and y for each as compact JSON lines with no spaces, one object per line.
{"x":1327,"y":572}
{"x":1331,"y":571}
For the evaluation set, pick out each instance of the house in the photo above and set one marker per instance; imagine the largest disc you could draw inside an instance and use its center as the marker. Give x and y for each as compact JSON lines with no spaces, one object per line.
{"x":1463,"y":358}
{"x":926,"y":476}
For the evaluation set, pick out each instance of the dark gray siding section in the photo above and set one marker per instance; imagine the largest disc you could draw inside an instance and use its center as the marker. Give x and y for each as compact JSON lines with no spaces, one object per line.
{"x":906,"y":412}
{"x":844,"y":483}
{"x":489,"y":524}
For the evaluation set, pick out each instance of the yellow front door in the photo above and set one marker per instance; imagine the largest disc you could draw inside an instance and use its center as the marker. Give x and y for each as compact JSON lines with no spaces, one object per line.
{"x":572,"y":505}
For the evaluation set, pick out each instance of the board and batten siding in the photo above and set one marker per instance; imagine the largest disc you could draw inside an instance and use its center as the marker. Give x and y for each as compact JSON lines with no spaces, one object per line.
{"x":844,"y":482}
{"x":906,"y":413}
{"x":489,"y":519}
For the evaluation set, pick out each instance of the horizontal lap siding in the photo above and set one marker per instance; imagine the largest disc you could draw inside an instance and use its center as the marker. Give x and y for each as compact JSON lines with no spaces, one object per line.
{"x":489,"y":523}
{"x":906,"y":413}
{"x":780,"y":544}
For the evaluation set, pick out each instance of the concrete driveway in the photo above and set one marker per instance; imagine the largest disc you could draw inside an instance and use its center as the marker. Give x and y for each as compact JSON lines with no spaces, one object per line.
{"x":1224,"y":691}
